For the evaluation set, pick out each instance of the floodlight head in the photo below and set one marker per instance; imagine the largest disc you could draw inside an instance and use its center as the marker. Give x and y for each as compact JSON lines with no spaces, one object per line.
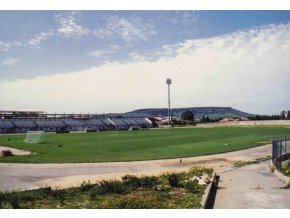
{"x":168,"y":81}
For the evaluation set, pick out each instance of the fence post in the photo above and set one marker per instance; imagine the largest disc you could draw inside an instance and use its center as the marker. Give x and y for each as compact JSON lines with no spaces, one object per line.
{"x":274,"y":151}
{"x":279,"y":152}
{"x":285,"y":145}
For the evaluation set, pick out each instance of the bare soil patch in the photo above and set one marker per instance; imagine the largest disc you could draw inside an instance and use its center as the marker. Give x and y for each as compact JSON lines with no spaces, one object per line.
{"x":14,"y":151}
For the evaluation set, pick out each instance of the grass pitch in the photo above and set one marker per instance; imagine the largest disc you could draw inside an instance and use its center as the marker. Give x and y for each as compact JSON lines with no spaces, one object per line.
{"x":139,"y":145}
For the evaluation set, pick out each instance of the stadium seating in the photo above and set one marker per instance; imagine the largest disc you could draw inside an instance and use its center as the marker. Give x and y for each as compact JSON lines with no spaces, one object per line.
{"x":96,"y":124}
{"x":6,"y":126}
{"x":130,"y":121}
{"x":144,"y":122}
{"x":45,"y":125}
{"x":107,"y":121}
{"x":60,"y":126}
{"x":65,"y":125}
{"x":119,"y":123}
{"x":75,"y":125}
{"x":24,"y":125}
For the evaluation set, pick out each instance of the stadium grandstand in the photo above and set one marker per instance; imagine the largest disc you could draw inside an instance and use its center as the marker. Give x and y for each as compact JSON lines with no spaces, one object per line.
{"x":23,"y":121}
{"x":98,"y":124}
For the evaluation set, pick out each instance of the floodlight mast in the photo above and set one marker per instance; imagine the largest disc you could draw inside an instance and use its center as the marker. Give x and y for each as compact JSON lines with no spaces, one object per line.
{"x":168,"y":82}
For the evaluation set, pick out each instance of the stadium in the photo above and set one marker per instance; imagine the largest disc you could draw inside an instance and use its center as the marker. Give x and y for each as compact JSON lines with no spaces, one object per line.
{"x":23,"y":121}
{"x":101,"y":152}
{"x":178,"y":146}
{"x":61,"y":151}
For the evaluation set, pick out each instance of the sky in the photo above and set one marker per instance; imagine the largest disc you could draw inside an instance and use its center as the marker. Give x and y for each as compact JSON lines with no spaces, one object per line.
{"x":118,"y":61}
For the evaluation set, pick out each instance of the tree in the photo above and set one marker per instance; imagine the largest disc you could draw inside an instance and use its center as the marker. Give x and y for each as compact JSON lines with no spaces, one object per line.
{"x":282,"y":114}
{"x":288,"y":115}
{"x":205,"y":119}
{"x":187,"y":115}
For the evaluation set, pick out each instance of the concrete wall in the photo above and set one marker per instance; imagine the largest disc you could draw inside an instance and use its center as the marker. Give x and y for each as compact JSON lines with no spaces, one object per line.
{"x":246,"y":123}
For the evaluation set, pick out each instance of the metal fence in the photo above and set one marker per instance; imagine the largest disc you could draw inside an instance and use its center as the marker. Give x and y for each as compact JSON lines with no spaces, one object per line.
{"x":280,"y":150}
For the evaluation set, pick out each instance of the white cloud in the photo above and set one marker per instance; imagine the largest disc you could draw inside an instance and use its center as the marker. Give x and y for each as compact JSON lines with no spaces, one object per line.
{"x":6,"y":46}
{"x":35,"y":41}
{"x":39,"y":38}
{"x":9,"y":62}
{"x":182,"y":17}
{"x":248,"y":70}
{"x":68,"y":26}
{"x":100,"y":53}
{"x":114,"y":47}
{"x":135,"y":56}
{"x":129,"y":29}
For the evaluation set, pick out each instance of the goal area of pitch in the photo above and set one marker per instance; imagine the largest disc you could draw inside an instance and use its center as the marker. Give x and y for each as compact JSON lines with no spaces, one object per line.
{"x":34,"y":137}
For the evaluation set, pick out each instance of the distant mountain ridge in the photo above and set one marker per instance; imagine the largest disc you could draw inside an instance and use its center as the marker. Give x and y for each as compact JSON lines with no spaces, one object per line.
{"x":211,"y":112}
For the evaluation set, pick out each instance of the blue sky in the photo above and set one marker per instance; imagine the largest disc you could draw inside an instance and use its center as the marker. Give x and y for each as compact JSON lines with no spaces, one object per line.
{"x":58,"y":45}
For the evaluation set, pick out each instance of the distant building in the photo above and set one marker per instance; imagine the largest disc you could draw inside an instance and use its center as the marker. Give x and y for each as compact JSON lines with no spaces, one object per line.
{"x":229,"y":119}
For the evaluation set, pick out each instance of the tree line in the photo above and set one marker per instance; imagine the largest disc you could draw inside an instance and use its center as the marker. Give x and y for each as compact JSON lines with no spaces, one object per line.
{"x":187,"y":117}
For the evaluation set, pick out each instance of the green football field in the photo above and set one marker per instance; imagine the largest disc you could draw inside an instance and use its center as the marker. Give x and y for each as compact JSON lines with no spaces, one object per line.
{"x":139,"y":145}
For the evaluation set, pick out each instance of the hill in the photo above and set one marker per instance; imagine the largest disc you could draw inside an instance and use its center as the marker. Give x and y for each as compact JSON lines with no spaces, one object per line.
{"x":211,"y":112}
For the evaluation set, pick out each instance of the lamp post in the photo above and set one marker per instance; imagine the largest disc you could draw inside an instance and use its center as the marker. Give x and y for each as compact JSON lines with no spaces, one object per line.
{"x":168,"y":82}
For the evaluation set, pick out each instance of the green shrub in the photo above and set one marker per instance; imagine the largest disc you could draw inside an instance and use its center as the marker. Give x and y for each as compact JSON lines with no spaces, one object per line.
{"x":14,"y":200}
{"x":86,"y":185}
{"x":45,"y":191}
{"x":135,"y":200}
{"x":1,"y":201}
{"x":131,"y":180}
{"x":286,"y":170}
{"x":144,"y":182}
{"x":148,"y":181}
{"x":28,"y":196}
{"x":173,"y":180}
{"x":59,"y":195}
{"x":111,"y":186}
{"x":93,"y":195}
{"x":191,"y":186}
{"x":196,"y":170}
{"x":15,"y":203}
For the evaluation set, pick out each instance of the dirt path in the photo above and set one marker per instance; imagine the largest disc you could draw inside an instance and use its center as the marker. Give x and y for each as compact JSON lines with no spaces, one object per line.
{"x":252,"y":186}
{"x":30,"y":176}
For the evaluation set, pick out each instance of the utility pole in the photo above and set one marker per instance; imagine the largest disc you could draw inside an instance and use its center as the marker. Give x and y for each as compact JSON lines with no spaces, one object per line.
{"x":168,"y":82}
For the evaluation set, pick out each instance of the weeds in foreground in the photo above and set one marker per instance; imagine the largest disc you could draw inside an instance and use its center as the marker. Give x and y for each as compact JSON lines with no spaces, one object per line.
{"x":173,"y":180}
{"x":174,"y":190}
{"x":286,"y":170}
{"x":112,"y":187}
{"x":250,"y":162}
